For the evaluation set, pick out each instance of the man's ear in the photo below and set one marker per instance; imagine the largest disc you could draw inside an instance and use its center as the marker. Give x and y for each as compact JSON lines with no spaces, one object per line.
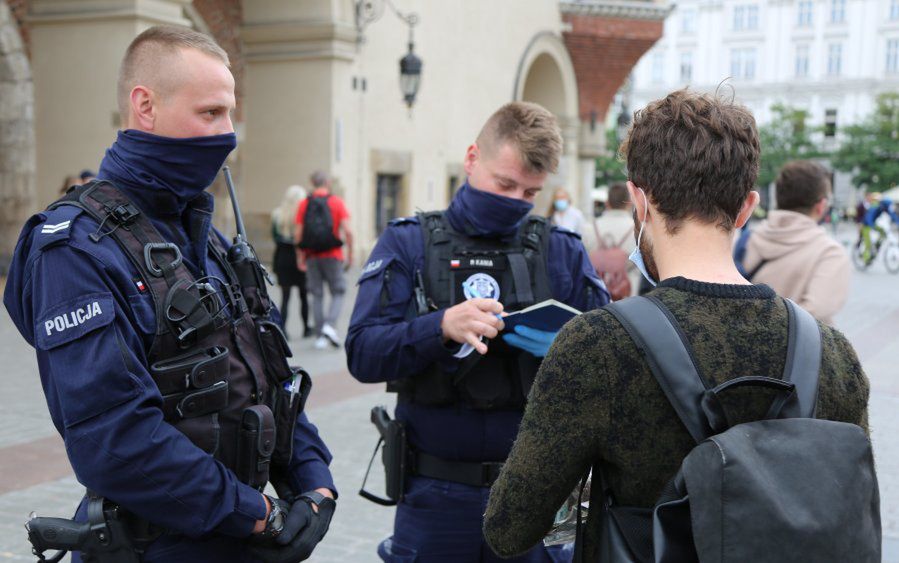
{"x":637,"y":199}
{"x":471,"y":157}
{"x":749,"y":204}
{"x":143,"y":109}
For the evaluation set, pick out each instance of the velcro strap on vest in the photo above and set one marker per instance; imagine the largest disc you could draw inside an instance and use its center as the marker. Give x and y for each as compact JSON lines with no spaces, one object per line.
{"x":522,"y":278}
{"x":195,"y":370}
{"x":471,"y":473}
{"x":198,"y":403}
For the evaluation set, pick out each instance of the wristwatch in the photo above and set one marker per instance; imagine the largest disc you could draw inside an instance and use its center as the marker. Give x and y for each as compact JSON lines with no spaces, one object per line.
{"x":275,"y":521}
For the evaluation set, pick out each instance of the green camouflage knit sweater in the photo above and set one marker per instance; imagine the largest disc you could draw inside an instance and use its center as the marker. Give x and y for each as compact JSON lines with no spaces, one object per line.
{"x":595,"y":401}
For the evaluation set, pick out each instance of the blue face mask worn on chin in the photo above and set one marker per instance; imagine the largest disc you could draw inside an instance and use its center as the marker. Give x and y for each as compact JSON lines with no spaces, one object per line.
{"x":636,"y":256}
{"x":480,"y":213}
{"x":184,"y":167}
{"x":560,"y":204}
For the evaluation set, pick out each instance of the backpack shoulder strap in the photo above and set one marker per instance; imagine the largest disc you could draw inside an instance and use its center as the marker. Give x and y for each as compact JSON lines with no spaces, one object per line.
{"x":656,"y":334}
{"x":803,"y":361}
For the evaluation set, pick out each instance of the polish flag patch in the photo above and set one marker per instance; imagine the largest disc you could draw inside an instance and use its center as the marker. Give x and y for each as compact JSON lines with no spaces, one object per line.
{"x":455,"y":263}
{"x":141,"y":286}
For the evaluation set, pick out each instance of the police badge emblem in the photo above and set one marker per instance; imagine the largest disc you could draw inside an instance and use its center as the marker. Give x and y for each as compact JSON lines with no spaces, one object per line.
{"x":480,"y":286}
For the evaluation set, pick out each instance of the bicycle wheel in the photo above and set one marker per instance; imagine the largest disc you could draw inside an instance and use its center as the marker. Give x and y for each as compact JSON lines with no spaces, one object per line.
{"x":858,"y":256}
{"x":891,"y":257}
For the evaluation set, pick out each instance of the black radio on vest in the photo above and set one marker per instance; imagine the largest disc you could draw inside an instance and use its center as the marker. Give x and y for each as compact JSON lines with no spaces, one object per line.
{"x":318,"y":226}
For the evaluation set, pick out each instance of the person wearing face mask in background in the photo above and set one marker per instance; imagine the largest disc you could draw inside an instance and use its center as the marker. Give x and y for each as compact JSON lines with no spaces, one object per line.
{"x":563,"y":214}
{"x":154,"y":366}
{"x":428,"y":318}
{"x":595,"y":402}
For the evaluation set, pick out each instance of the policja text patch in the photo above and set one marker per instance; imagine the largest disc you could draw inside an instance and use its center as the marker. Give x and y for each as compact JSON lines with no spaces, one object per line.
{"x":73,"y":319}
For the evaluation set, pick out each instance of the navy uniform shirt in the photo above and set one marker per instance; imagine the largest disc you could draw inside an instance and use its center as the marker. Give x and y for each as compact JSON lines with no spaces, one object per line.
{"x":84,"y":308}
{"x":384,"y":343}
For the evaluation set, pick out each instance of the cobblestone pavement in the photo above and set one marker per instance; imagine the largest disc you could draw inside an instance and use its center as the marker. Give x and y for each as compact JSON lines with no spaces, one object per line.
{"x":34,"y":474}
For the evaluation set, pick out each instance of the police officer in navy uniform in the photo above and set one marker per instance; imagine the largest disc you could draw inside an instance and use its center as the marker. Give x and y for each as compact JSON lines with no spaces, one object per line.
{"x":162,"y":367}
{"x":427,"y":320}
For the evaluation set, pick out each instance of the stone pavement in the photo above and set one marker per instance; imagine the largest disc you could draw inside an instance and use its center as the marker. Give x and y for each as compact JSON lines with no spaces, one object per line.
{"x":34,"y":474}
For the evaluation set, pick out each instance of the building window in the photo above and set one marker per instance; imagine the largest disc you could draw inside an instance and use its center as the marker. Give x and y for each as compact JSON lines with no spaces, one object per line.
{"x":742,"y":63}
{"x":834,"y":59}
{"x":739,"y":17}
{"x":830,"y":123}
{"x":801,"y":61}
{"x":892,"y":56}
{"x":752,"y":17}
{"x":686,"y":67}
{"x":894,"y":9}
{"x":804,"y":13}
{"x":837,"y":11}
{"x":387,"y":206}
{"x":658,"y":67}
{"x":688,"y":22}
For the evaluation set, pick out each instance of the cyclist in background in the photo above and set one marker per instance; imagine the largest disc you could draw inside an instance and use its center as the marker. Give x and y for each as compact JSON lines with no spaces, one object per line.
{"x":869,"y":223}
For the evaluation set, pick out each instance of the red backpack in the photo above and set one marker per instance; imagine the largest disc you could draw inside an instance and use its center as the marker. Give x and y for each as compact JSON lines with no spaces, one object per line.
{"x":610,"y":263}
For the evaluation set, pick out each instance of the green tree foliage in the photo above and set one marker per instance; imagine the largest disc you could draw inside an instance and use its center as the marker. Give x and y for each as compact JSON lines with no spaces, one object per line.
{"x":870,"y":149}
{"x":610,"y":167}
{"x":786,"y":137}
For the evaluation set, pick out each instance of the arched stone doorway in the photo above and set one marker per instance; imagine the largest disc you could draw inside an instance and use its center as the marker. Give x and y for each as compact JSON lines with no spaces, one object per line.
{"x":546,"y":76}
{"x":17,"y":160}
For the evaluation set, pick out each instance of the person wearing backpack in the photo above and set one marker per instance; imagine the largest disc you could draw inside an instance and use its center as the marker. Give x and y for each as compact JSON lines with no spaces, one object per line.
{"x":679,"y":384}
{"x":321,"y":220}
{"x":614,"y":231}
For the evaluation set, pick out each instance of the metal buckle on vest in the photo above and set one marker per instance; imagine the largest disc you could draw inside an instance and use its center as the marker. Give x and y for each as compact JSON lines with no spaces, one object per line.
{"x":152,"y":247}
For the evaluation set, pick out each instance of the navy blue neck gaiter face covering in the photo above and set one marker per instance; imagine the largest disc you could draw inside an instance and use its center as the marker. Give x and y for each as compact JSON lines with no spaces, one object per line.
{"x":183,"y":168}
{"x":483,"y":214}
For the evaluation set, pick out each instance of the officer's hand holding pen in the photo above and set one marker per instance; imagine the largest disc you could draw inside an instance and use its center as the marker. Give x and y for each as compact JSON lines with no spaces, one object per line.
{"x":467,"y":322}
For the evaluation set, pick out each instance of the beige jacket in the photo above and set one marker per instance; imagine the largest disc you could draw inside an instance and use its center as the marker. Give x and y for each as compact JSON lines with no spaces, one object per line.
{"x":803,"y":263}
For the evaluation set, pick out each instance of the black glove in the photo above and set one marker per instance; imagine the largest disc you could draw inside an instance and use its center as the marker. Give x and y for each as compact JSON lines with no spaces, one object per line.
{"x":303,"y":529}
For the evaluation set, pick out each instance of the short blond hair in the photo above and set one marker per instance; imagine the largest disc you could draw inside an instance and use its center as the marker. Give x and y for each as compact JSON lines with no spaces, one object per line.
{"x":146,"y":59}
{"x":528,"y":127}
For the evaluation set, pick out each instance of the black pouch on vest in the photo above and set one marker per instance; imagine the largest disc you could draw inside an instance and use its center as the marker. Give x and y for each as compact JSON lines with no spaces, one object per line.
{"x":194,"y":370}
{"x":256,"y":442}
{"x":275,"y":350}
{"x":288,"y":402}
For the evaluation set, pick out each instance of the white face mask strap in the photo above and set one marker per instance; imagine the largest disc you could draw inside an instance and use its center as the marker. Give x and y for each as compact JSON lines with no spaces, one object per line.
{"x":645,"y":213}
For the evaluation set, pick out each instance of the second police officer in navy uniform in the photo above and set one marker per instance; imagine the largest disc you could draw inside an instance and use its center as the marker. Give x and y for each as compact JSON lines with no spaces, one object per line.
{"x":160,"y":360}
{"x":427,"y":320}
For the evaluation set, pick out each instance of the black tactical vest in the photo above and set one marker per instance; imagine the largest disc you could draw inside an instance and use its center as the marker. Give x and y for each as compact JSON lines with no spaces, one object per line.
{"x":459,"y":267}
{"x":220,"y":365}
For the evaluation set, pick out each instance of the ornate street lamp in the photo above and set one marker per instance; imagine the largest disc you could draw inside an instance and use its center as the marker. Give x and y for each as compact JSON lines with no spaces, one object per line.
{"x":369,"y":11}
{"x":623,"y":122}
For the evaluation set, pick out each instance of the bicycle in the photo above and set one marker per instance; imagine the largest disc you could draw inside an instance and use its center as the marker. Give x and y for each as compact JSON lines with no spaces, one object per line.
{"x":887,"y":242}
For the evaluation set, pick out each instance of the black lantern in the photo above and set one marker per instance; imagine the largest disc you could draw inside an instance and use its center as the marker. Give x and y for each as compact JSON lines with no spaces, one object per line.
{"x":410,"y":75}
{"x":623,"y":122}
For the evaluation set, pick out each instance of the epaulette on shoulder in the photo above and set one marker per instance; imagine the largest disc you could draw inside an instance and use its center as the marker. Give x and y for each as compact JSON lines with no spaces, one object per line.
{"x":564,"y":231}
{"x":413,"y":220}
{"x":57,"y":225}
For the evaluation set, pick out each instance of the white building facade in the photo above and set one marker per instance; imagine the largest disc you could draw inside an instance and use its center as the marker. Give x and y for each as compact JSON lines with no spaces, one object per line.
{"x":828,"y":57}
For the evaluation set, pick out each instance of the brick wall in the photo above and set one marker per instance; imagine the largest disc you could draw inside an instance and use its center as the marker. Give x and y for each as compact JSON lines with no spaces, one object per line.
{"x":224,"y":18}
{"x":604,"y":50}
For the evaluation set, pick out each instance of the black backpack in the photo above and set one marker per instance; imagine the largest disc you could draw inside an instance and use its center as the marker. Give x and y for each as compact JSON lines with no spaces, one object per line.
{"x":318,"y":226}
{"x":788,"y":488}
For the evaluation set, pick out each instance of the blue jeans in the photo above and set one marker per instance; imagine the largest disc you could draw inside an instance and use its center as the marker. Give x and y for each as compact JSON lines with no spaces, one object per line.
{"x":440,"y":522}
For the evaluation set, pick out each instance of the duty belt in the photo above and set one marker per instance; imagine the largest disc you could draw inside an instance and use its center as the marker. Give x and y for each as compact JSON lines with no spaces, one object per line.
{"x":471,"y":473}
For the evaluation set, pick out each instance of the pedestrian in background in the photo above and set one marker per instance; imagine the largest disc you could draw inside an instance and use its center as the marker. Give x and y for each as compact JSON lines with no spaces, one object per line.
{"x":791,"y":253}
{"x":563,"y":214}
{"x":69,"y":182}
{"x":614,"y":231}
{"x":322,"y":231}
{"x":285,"y":262}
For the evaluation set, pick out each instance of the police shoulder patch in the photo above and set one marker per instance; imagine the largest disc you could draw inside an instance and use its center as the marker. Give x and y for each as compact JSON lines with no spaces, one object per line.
{"x":374,"y":266}
{"x":73,"y":319}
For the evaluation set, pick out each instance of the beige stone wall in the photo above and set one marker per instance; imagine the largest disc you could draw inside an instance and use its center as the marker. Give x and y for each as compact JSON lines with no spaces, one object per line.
{"x":303,"y":112}
{"x":17,"y":162}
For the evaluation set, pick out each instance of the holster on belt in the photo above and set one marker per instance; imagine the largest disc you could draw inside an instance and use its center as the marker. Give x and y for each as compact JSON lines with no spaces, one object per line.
{"x":256,"y":442}
{"x":395,"y":456}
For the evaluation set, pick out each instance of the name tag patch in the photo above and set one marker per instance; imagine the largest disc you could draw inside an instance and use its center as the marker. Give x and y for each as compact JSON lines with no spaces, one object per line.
{"x":73,"y":319}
